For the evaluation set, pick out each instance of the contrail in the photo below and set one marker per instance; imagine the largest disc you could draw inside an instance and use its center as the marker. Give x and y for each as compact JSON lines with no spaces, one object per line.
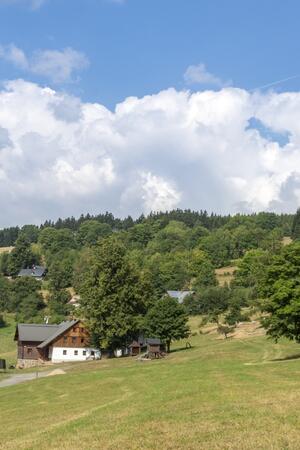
{"x":276,"y":82}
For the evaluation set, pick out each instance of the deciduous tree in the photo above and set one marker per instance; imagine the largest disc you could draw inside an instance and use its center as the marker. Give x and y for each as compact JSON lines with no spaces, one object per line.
{"x":22,"y":256}
{"x":281,"y":290}
{"x":167,"y":320}
{"x":113,"y":299}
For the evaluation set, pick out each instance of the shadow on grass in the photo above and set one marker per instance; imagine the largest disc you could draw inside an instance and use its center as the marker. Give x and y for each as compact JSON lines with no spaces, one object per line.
{"x":287,"y":358}
{"x":181,"y":349}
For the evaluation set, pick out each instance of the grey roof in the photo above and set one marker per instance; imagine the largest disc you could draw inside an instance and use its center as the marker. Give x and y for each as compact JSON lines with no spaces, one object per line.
{"x":142,"y":342}
{"x":153,"y":341}
{"x":42,"y":333}
{"x":35,"y":333}
{"x":35,"y":271}
{"x":179,"y":295}
{"x":64,"y":326}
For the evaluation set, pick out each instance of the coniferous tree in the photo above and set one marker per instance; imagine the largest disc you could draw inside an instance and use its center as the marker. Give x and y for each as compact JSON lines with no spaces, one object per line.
{"x":296,"y":225}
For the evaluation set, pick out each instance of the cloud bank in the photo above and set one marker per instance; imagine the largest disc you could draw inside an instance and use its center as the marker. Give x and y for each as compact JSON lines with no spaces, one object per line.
{"x":60,"y":156}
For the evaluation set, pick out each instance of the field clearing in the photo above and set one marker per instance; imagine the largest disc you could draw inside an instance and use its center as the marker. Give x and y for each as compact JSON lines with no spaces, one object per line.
{"x":234,"y":394}
{"x":6,"y":249}
{"x":286,"y":240}
{"x":225,"y":275}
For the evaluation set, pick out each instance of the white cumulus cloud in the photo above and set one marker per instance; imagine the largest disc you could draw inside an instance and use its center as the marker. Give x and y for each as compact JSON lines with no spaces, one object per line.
{"x":60,"y":156}
{"x":58,"y":66}
{"x":198,"y":74}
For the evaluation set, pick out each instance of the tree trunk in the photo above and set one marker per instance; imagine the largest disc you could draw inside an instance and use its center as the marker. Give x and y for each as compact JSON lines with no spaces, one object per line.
{"x":168,"y":346}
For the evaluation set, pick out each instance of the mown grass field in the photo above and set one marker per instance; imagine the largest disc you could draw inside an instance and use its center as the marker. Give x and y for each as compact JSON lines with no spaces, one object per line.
{"x":221,"y":394}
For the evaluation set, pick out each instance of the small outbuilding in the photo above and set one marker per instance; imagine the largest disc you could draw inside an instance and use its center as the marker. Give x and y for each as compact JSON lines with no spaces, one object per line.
{"x":152,"y":346}
{"x":180,"y":295}
{"x":135,"y":348}
{"x":37,"y":272}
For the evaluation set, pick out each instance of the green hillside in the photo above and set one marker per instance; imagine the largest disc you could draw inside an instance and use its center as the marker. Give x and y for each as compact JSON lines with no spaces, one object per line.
{"x":221,"y":394}
{"x":7,"y":344}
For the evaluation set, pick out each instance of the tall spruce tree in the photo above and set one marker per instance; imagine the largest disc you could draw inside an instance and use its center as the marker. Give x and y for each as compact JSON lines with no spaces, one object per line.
{"x":296,"y":225}
{"x":114,"y":297}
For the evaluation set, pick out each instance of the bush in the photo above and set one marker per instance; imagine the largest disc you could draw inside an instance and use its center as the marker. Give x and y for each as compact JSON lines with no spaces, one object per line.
{"x":2,"y":321}
{"x":212,"y":301}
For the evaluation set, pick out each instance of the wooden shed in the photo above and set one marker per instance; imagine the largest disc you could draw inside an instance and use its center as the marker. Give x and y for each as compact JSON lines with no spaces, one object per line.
{"x":135,"y":348}
{"x":152,"y":346}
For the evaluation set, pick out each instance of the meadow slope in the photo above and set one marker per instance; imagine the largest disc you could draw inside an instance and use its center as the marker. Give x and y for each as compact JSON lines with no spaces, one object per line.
{"x":221,"y":394}
{"x":7,"y":344}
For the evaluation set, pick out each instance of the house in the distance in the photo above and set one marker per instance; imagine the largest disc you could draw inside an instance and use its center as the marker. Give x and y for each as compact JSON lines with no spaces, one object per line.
{"x":180,"y":295}
{"x":37,"y":272}
{"x":75,"y":301}
{"x":68,"y":341}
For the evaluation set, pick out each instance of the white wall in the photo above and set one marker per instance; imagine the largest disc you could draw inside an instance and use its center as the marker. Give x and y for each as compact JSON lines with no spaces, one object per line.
{"x":56,"y":354}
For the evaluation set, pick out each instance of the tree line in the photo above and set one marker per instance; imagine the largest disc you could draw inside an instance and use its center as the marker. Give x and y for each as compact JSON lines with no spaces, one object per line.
{"x":8,"y":236}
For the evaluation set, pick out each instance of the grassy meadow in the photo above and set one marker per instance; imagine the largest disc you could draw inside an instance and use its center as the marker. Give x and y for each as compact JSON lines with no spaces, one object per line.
{"x":220,"y":394}
{"x":7,"y":344}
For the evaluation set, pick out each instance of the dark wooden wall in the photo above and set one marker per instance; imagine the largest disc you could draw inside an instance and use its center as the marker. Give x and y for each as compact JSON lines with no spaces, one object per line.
{"x":76,"y":336}
{"x":152,"y":348}
{"x":29,"y":350}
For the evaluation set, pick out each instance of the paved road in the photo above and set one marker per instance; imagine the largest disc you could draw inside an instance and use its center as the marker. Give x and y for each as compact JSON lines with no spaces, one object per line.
{"x":16,"y":379}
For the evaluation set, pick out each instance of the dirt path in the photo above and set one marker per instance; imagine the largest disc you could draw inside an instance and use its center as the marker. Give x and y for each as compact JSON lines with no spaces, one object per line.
{"x":16,"y":379}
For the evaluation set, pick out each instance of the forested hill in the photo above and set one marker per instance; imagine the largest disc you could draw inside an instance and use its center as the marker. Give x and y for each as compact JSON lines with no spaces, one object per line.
{"x":176,"y":250}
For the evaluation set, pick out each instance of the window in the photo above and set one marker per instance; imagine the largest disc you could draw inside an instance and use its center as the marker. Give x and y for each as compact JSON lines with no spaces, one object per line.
{"x":75,"y":352}
{"x":82,"y":330}
{"x":92,"y":353}
{"x":29,"y":351}
{"x":73,"y":339}
{"x":82,"y":340}
{"x":84,"y":352}
{"x":65,"y":338}
{"x":64,"y":352}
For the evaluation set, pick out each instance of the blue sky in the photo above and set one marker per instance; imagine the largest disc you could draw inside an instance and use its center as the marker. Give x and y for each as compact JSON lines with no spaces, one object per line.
{"x":142,"y":105}
{"x":138,"y":47}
